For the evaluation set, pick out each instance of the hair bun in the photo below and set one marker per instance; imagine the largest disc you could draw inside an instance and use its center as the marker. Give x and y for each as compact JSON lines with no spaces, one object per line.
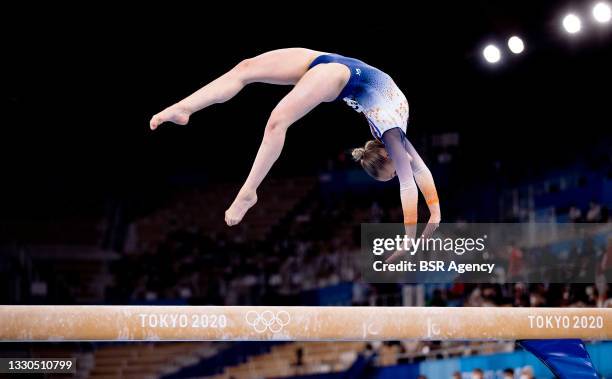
{"x":358,"y":153}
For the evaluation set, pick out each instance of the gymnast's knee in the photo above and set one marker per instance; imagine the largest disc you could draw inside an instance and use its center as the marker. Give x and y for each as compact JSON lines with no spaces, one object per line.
{"x":243,"y":71}
{"x":277,"y":125}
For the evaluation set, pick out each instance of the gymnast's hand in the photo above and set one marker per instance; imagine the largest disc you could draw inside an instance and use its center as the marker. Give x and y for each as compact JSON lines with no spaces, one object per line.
{"x":432,"y":225}
{"x":176,"y":114}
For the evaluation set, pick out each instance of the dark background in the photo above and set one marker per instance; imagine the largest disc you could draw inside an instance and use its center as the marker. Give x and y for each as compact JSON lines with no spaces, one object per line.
{"x":80,"y":84}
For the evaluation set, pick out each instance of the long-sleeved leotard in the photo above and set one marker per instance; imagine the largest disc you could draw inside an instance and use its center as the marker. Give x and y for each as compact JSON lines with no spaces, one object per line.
{"x":411,"y":172}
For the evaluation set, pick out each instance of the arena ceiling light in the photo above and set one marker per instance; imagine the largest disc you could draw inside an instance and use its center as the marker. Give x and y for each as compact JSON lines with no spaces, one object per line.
{"x":602,"y":12}
{"x":491,"y":54}
{"x":572,"y":23}
{"x":516,"y":45}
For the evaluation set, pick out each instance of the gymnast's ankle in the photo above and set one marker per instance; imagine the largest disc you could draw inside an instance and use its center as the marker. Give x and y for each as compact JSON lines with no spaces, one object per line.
{"x":247,"y":194}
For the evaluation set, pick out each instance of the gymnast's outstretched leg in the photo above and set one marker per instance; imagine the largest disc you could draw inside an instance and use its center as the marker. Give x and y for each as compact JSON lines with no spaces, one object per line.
{"x":315,"y":87}
{"x":322,"y":83}
{"x":284,"y":66}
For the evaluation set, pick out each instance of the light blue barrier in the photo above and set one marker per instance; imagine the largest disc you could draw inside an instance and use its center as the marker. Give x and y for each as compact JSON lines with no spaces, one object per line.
{"x":493,"y":365}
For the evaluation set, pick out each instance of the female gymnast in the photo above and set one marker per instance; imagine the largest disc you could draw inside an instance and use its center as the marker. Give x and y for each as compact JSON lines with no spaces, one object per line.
{"x":320,"y":77}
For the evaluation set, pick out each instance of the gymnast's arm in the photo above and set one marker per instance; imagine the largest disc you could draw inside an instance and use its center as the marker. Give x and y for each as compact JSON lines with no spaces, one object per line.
{"x":426,"y":184}
{"x":399,"y":149}
{"x":412,"y":171}
{"x":409,"y":196}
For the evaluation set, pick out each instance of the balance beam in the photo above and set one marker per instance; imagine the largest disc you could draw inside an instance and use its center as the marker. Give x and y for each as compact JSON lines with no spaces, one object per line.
{"x":266,"y":323}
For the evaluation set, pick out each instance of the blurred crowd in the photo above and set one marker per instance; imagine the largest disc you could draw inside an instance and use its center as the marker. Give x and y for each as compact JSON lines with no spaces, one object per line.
{"x":315,"y":250}
{"x":509,"y":373}
{"x":317,"y":246}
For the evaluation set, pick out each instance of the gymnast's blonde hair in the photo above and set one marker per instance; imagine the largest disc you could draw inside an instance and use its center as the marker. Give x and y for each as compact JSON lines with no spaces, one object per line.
{"x":372,"y":157}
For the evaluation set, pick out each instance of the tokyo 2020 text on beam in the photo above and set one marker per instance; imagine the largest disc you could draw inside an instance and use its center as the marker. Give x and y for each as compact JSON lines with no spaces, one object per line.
{"x":239,"y":323}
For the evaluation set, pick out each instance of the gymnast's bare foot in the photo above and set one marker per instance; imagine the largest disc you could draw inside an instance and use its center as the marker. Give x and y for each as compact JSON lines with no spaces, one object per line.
{"x":175,"y":113}
{"x":239,"y":207}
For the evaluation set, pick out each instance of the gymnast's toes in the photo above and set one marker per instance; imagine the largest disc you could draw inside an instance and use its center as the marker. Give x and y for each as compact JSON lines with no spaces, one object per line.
{"x":229,"y":220}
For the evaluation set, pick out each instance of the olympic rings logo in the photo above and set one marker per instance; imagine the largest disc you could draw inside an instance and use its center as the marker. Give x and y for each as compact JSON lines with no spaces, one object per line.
{"x":268,"y":320}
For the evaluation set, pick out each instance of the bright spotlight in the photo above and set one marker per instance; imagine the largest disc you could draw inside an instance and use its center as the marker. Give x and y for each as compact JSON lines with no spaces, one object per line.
{"x":516,"y":45}
{"x":492,"y":54}
{"x":572,"y":23}
{"x":602,"y":12}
